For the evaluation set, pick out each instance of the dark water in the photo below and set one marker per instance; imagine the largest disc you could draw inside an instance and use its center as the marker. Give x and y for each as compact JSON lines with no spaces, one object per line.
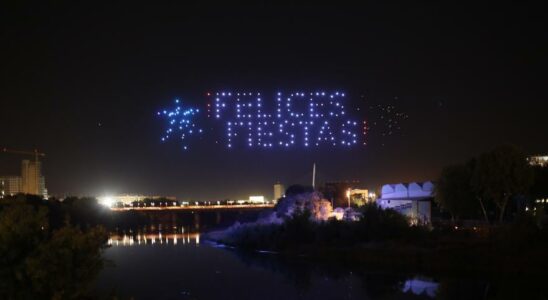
{"x":181,"y":265}
{"x":167,"y":261}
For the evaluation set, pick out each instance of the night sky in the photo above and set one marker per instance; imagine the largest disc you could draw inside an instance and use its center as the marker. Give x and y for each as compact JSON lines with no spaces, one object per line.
{"x":83,"y":83}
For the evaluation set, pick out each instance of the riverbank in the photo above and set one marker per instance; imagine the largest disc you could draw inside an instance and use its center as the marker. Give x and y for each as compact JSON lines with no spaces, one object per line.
{"x":405,"y":257}
{"x":382,"y":242}
{"x":446,"y":259}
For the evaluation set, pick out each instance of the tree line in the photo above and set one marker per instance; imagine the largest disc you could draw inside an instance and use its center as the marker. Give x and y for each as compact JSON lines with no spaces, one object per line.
{"x":490,"y":185}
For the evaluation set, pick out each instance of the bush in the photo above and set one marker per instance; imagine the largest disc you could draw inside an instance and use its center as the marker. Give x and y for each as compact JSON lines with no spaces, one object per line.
{"x":40,"y":262}
{"x":298,"y":229}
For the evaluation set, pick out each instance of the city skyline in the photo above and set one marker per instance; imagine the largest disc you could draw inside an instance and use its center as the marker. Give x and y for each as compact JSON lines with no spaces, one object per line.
{"x":469,"y":80}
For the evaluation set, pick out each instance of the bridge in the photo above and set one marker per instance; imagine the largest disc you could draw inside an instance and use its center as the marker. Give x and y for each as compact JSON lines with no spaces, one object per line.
{"x":194,"y":207}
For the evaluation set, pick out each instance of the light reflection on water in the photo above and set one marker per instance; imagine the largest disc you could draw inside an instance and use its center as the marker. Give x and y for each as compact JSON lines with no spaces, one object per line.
{"x":154,"y":235}
{"x":420,"y":285}
{"x":152,"y":239}
{"x":175,"y":260}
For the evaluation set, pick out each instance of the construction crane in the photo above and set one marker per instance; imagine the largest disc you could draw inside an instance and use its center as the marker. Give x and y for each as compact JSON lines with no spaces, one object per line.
{"x":36,"y":154}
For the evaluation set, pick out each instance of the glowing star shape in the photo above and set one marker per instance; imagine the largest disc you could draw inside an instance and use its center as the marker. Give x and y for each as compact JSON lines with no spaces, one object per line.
{"x":180,"y":121}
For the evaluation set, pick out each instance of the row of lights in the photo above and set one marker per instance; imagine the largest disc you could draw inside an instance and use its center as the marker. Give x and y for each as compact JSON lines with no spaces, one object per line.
{"x":130,"y":241}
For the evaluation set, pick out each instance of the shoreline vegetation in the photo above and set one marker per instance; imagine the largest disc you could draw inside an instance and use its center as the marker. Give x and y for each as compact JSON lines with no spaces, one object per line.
{"x":45,"y":252}
{"x":499,"y":187}
{"x":383,"y":239}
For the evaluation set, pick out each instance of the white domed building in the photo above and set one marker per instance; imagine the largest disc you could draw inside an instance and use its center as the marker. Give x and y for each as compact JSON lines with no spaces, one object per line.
{"x":411,"y":199}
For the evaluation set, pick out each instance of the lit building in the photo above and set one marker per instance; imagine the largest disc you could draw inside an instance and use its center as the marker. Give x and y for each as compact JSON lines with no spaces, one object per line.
{"x":538,"y":192}
{"x":10,"y":185}
{"x":360,"y":197}
{"x":538,"y":160}
{"x":336,"y":192}
{"x":279,"y":191}
{"x":256,"y":199}
{"x":411,"y":199}
{"x":42,"y":187}
{"x":32,"y":181}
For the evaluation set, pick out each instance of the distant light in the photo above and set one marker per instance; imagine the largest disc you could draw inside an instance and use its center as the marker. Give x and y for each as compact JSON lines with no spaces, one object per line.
{"x":107,"y":201}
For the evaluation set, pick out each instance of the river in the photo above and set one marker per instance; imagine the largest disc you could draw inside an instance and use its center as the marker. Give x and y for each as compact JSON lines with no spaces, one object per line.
{"x":174,"y":262}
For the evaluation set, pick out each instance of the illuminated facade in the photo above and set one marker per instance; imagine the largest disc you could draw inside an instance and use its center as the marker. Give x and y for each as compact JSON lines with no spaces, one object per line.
{"x":413,"y":200}
{"x":539,"y":190}
{"x":42,"y":187}
{"x":257,"y":199}
{"x":11,"y":185}
{"x":32,"y":181}
{"x":360,"y":196}
{"x":251,"y":200}
{"x":279,"y":191}
{"x":538,"y":160}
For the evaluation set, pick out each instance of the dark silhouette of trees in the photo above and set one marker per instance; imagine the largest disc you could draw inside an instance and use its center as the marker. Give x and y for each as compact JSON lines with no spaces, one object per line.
{"x":454,"y":192}
{"x":487,"y":182}
{"x":41,"y":262}
{"x":500,"y":174}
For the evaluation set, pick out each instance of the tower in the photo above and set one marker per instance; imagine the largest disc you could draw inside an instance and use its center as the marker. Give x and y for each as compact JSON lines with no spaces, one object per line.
{"x":31,"y":177}
{"x":279,"y":191}
{"x":314,"y":176}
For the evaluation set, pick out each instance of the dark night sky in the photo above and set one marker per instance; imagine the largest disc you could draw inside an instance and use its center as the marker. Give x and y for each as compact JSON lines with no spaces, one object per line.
{"x":469,"y":77}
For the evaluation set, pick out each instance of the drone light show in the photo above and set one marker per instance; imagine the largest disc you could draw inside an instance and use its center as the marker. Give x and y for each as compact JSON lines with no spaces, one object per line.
{"x":280,"y":120}
{"x":181,"y":122}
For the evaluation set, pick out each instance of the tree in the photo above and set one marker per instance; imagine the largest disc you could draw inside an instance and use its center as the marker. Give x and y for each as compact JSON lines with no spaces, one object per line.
{"x":319,"y":208}
{"x":65,"y":266}
{"x":37,"y":262}
{"x":501,"y":174}
{"x":454,"y":193}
